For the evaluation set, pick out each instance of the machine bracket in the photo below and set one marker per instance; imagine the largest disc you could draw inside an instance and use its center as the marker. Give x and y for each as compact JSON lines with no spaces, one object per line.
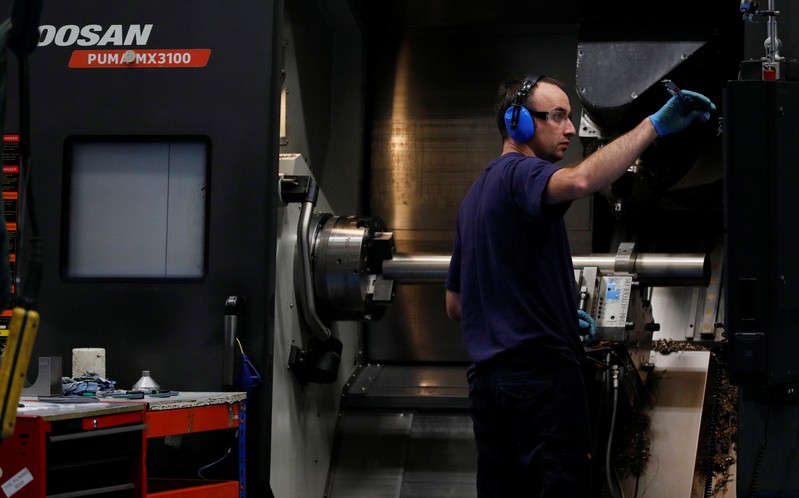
{"x":318,"y":364}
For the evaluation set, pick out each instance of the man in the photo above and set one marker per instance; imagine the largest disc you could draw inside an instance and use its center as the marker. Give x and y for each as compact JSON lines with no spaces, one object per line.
{"x":511,"y":283}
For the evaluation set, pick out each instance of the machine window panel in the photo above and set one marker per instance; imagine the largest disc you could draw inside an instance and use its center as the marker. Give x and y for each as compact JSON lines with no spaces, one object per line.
{"x":135,"y":209}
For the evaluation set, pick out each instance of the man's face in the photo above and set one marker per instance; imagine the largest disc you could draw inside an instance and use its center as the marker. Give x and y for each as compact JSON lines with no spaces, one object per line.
{"x":553,"y":134}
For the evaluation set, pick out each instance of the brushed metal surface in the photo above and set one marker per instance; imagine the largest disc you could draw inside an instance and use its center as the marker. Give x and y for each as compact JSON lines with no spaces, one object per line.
{"x":408,"y":387}
{"x":432,"y":133}
{"x":433,"y":128}
{"x":303,"y":423}
{"x":442,"y":458}
{"x":370,"y":459}
{"x":404,"y":455}
{"x":415,"y":328}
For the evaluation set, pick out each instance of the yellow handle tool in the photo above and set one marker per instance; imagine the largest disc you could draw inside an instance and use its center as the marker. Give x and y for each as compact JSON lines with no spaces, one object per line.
{"x":14,"y":365}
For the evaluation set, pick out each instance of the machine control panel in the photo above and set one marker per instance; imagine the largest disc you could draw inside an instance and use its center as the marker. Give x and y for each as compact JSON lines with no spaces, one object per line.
{"x":614,"y":300}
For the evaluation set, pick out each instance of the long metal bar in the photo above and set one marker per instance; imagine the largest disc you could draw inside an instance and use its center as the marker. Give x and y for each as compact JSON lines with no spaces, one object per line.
{"x":665,"y":270}
{"x":417,"y":268}
{"x":772,"y":42}
{"x":657,"y":269}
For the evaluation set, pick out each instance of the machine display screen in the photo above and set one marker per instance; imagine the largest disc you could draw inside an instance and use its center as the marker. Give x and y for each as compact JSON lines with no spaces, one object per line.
{"x":135,"y":208}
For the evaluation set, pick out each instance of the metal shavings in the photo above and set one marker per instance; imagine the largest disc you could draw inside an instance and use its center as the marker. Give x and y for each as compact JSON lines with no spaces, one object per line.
{"x":668,"y":346}
{"x":636,"y":446}
{"x":635,"y":449}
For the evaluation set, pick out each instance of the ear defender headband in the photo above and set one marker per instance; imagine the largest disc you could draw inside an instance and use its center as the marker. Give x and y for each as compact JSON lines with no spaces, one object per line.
{"x":518,"y":120}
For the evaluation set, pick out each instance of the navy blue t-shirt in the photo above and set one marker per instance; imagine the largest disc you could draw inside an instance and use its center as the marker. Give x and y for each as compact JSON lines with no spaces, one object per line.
{"x":511,"y":263}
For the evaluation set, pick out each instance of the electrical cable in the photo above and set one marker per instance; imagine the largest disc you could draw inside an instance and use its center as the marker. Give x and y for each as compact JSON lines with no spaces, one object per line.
{"x":204,"y":467}
{"x":598,"y":362}
{"x":602,"y":402}
{"x":208,"y":466}
{"x":609,"y":448}
{"x":249,"y":377}
{"x":29,"y":292}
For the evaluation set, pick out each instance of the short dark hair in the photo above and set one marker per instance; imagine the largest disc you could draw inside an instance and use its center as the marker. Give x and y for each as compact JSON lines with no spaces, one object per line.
{"x":506,"y":94}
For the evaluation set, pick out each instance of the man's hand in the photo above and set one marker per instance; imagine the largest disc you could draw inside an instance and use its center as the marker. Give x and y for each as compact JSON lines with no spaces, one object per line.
{"x":680,"y":111}
{"x":586,"y":323}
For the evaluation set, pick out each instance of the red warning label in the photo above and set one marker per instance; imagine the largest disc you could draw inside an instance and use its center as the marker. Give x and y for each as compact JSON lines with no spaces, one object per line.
{"x":195,"y":57}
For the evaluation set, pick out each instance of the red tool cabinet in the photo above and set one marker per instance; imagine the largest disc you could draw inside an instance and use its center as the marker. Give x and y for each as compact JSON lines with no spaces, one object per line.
{"x":73,"y":450}
{"x":100,"y":448}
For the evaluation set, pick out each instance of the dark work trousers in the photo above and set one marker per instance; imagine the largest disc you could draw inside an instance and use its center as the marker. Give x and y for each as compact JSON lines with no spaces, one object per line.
{"x":531,"y":425}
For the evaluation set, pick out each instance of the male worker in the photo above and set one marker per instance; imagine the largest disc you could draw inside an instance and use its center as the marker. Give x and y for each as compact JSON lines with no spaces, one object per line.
{"x":511,"y":283}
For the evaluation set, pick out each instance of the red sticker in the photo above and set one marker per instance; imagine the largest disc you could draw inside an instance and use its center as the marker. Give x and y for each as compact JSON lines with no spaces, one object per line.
{"x":196,"y":57}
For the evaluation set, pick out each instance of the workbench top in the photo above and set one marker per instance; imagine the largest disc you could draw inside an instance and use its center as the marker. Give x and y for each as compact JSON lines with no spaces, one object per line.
{"x":50,"y":411}
{"x":193,"y":399}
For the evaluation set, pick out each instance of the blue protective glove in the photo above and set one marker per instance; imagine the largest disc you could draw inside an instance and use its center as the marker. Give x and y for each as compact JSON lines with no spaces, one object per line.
{"x":586,"y":323}
{"x":680,"y":111}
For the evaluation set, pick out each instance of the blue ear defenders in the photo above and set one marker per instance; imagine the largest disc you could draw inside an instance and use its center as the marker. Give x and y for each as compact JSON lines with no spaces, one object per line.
{"x":518,"y":120}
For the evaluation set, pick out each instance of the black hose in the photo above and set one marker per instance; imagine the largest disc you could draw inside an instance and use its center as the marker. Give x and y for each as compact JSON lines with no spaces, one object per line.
{"x":609,"y":449}
{"x":29,"y":288}
{"x":756,"y":470}
{"x":761,"y":450}
{"x":602,"y":402}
